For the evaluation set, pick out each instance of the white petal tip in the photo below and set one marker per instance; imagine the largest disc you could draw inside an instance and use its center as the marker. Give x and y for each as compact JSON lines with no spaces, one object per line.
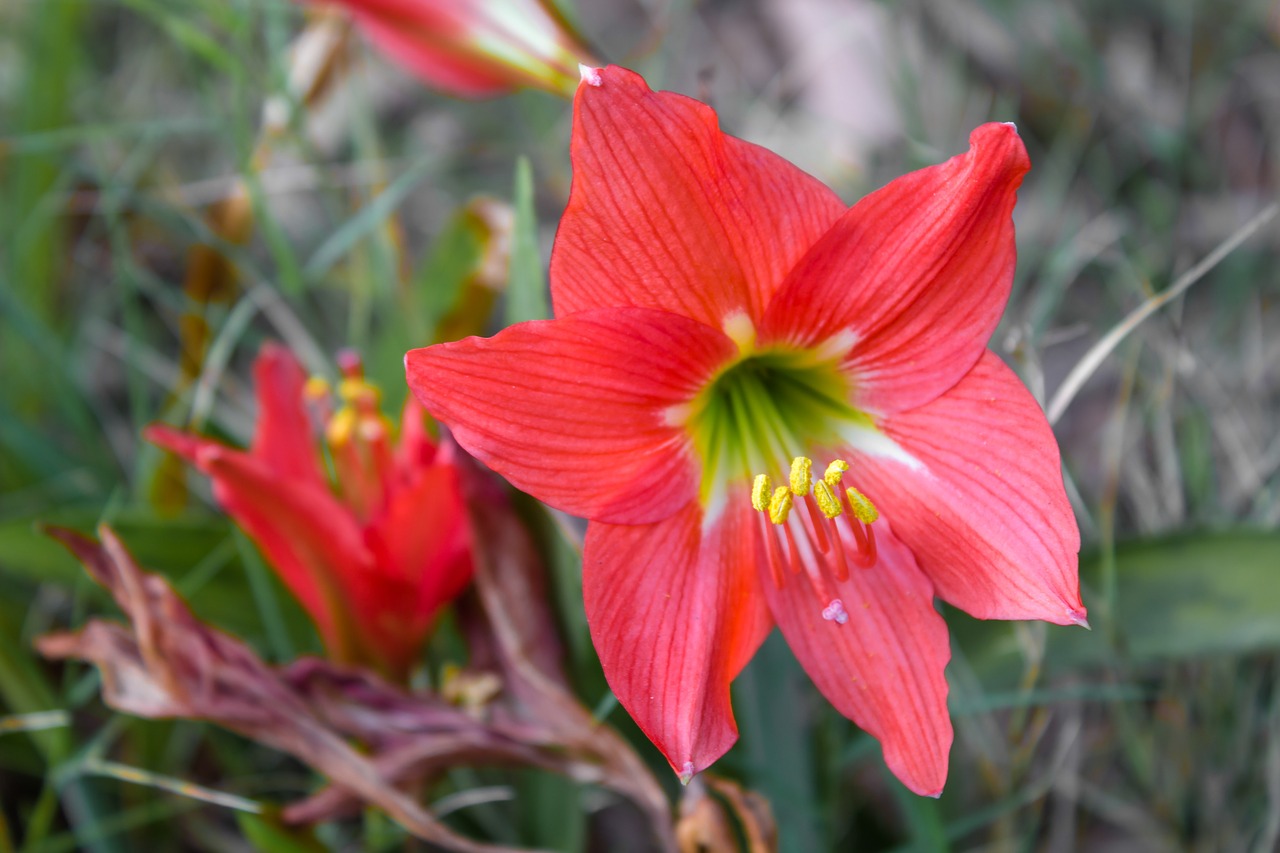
{"x":590,"y":76}
{"x":1079,"y":617}
{"x":686,"y":772}
{"x":1010,"y":124}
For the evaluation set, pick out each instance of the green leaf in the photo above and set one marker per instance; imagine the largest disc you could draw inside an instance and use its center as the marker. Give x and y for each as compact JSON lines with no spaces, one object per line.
{"x":439,"y":282}
{"x":527,"y":297}
{"x":368,"y":218}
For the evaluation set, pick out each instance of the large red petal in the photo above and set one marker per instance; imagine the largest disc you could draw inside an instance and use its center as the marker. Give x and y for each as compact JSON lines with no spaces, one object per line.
{"x":986,"y":514}
{"x":884,"y":667}
{"x":283,"y":439}
{"x":675,"y":613}
{"x":668,"y":212}
{"x":577,"y":411}
{"x":915,"y":275}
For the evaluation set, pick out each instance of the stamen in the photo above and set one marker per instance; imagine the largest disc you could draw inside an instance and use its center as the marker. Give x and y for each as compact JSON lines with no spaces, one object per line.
{"x":827,"y":502}
{"x":317,"y":388}
{"x":341,"y":427}
{"x":862,"y":506}
{"x":835,"y":612}
{"x":780,"y":505}
{"x":801,"y":475}
{"x":813,"y":542}
{"x":760,"y":491}
{"x":818,"y":525}
{"x":773,"y":553}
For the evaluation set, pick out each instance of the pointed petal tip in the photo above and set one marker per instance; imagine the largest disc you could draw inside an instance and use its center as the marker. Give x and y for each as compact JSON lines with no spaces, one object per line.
{"x":686,"y":773}
{"x":1079,"y":616}
{"x":590,"y":76}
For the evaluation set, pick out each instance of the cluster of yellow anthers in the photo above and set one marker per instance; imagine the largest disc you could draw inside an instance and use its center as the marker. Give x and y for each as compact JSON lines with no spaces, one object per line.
{"x":817,"y":547}
{"x":358,"y":434}
{"x":778,"y":502}
{"x":359,"y":416}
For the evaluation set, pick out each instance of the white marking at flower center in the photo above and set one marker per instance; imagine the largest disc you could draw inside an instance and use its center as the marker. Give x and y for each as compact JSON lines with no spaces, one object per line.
{"x":835,"y":612}
{"x":590,"y":76}
{"x":741,"y":330}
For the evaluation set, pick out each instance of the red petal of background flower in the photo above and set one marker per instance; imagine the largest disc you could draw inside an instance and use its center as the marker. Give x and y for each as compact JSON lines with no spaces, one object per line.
{"x":416,"y":448}
{"x":989,"y":522}
{"x":283,"y":439}
{"x":884,"y":667}
{"x":421,"y":543}
{"x":574,"y":411}
{"x":311,"y":540}
{"x":674,"y":616}
{"x":668,"y":212}
{"x":919,"y":271}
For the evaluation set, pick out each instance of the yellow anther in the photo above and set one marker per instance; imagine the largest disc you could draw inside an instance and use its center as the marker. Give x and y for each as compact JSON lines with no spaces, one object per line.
{"x":341,"y":427}
{"x":834,"y":472}
{"x":827,"y":502}
{"x":358,"y":390}
{"x":317,"y":388}
{"x":801,"y":475}
{"x":780,"y":505}
{"x":863,"y":509}
{"x":760,"y":491}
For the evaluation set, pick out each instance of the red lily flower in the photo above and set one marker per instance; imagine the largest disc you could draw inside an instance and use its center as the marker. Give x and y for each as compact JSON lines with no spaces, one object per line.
{"x":721,"y":320}
{"x":372,"y":564}
{"x":476,"y":48}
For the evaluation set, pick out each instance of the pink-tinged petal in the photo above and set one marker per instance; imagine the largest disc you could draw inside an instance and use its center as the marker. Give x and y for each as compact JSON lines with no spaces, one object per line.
{"x":476,"y":49}
{"x":311,"y":540}
{"x":577,"y":411}
{"x":675,"y":613}
{"x":915,"y":275}
{"x":883,"y":668}
{"x":441,"y":64}
{"x":668,"y":212}
{"x":283,"y":439}
{"x":986,"y":514}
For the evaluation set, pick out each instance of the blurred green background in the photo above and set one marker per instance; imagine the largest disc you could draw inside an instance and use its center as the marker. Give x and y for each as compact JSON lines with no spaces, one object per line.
{"x":1153,"y":129}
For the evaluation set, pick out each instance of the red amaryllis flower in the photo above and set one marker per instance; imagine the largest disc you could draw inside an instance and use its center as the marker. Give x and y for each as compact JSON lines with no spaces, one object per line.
{"x":372,"y":557}
{"x":722,"y":320}
{"x":476,"y":48}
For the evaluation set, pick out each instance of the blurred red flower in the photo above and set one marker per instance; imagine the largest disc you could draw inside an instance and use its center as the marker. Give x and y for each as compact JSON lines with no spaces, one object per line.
{"x":476,"y":48}
{"x":372,"y":557}
{"x":722,"y":319}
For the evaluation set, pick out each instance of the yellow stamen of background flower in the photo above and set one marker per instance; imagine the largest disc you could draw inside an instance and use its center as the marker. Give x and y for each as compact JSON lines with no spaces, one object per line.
{"x":359,"y":391}
{"x":341,"y":427}
{"x":863,"y":509}
{"x":801,"y":475}
{"x":317,"y":388}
